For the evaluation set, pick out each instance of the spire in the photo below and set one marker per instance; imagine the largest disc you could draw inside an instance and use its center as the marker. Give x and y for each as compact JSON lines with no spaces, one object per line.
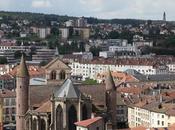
{"x":164,"y":16}
{"x":22,"y":71}
{"x":110,"y":85}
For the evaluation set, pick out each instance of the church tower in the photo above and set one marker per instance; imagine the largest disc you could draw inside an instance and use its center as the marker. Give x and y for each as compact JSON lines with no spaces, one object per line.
{"x":111,"y":100}
{"x":22,"y":94}
{"x":164,"y":17}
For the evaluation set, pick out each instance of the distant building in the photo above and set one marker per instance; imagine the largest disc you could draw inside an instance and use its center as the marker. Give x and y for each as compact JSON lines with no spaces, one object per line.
{"x":8,"y":109}
{"x":81,"y":22}
{"x":64,"y":33}
{"x":43,"y":55}
{"x":42,"y":32}
{"x":123,"y":48}
{"x":164,"y":16}
{"x":106,"y":54}
{"x":89,"y":69}
{"x":69,"y":23}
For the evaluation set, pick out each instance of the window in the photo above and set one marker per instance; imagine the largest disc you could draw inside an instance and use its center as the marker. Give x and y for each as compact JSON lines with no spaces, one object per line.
{"x":162,"y":116}
{"x":62,"y":75}
{"x":158,"y":122}
{"x":162,"y":123}
{"x":53,"y":75}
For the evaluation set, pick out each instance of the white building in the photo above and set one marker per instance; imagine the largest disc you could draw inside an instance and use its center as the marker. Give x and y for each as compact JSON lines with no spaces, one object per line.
{"x":106,"y":54}
{"x":69,"y":23}
{"x":149,"y":118}
{"x":44,"y":32}
{"x":81,"y":22}
{"x":85,"y":55}
{"x":91,"y":69}
{"x":64,"y":33}
{"x":122,"y":48}
{"x":171,"y":67}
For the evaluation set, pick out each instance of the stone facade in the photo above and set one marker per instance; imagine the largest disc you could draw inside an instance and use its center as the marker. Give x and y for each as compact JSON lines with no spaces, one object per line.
{"x":57,"y":70}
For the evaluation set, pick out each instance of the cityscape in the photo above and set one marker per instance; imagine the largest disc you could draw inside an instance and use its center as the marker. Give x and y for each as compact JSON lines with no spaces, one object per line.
{"x":72,"y":71}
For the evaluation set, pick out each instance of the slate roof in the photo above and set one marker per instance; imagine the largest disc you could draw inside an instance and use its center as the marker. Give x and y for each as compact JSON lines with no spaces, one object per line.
{"x":158,"y":77}
{"x":67,"y":90}
{"x":136,"y":74}
{"x":22,"y":70}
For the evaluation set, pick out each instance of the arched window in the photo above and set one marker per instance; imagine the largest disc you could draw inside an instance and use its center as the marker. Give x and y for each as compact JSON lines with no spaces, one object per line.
{"x":43,"y":124}
{"x":72,"y":117}
{"x":59,"y":118}
{"x":84,"y":112}
{"x":62,"y":75}
{"x":53,"y":75}
{"x":34,"y":124}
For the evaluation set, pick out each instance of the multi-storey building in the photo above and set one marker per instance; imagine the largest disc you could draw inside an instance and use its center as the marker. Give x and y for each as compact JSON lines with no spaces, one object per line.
{"x":8,"y":109}
{"x":150,"y":116}
{"x":43,"y":55}
{"x":89,"y":69}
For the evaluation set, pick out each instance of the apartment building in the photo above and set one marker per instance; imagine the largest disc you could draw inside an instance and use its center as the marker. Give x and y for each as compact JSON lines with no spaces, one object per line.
{"x":151,"y":116}
{"x":90,"y":69}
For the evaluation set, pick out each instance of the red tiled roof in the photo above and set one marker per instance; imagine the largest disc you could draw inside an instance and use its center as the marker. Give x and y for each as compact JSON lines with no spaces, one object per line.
{"x":86,"y":123}
{"x":34,"y":71}
{"x":6,"y":77}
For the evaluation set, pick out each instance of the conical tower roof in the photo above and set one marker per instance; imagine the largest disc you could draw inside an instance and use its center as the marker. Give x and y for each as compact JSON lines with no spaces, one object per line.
{"x":110,"y":85}
{"x":22,"y":71}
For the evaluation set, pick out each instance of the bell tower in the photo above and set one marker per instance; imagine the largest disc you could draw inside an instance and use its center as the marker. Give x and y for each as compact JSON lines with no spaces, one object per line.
{"x":22,"y":94}
{"x":111,"y":100}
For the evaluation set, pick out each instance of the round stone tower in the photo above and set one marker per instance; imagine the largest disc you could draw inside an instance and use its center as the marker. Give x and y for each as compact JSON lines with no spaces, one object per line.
{"x":22,"y":94}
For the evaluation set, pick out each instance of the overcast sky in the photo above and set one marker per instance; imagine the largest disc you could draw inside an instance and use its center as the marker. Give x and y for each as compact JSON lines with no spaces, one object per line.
{"x":139,"y":9}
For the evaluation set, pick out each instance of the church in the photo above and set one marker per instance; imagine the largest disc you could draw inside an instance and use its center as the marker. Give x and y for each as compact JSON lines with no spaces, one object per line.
{"x":67,"y":103}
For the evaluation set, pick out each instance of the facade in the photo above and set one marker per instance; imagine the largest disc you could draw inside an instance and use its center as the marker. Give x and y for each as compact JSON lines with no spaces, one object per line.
{"x":123,"y":48}
{"x":149,"y":118}
{"x":64,"y":32}
{"x":66,"y":106}
{"x":84,"y":55}
{"x":57,"y":70}
{"x":90,"y":69}
{"x":81,"y":22}
{"x":43,"y":55}
{"x":81,"y":32}
{"x":42,"y":32}
{"x":8,"y":109}
{"x":171,"y":67}
{"x":106,"y":54}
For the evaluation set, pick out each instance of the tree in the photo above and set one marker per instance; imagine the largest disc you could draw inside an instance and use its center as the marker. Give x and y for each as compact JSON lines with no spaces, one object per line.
{"x":17,"y":55}
{"x":95,"y":50}
{"x":3,"y":60}
{"x":113,"y":35}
